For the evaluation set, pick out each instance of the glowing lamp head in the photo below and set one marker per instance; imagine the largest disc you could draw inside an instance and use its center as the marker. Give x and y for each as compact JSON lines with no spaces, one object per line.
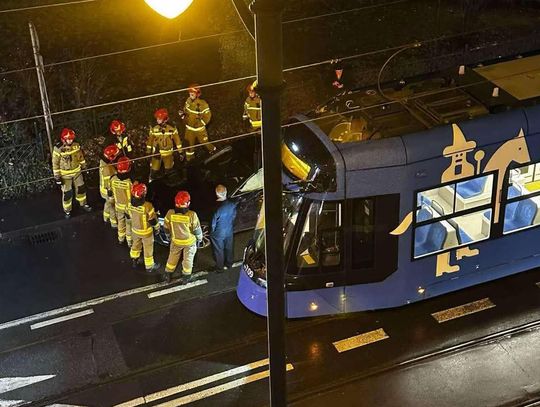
{"x":169,"y":8}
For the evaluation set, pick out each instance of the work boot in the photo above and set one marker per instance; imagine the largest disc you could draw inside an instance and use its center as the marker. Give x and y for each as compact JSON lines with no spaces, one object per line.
{"x":165,"y":277}
{"x":87,"y":208}
{"x":67,"y":215}
{"x":186,"y":279}
{"x":154,"y":268}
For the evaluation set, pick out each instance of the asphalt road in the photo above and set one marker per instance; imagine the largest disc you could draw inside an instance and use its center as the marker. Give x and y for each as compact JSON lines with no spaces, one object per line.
{"x":78,"y":332}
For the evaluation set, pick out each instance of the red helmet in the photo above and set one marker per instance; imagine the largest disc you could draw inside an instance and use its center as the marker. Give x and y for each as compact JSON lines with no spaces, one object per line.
{"x":124,"y":165}
{"x":195,"y":88}
{"x":117,"y":127}
{"x":111,"y":152}
{"x":182,"y":198}
{"x":138,"y":190}
{"x":67,"y":134}
{"x":161,"y":114}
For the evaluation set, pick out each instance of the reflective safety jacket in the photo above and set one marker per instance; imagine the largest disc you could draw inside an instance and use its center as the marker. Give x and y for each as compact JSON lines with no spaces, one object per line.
{"x":106,"y":171}
{"x":67,"y":160}
{"x":223,"y":219}
{"x":162,"y":138}
{"x":143,"y":217}
{"x":121,"y":187}
{"x":123,"y":142}
{"x":197,"y":114}
{"x":184,"y":226}
{"x":252,"y":111}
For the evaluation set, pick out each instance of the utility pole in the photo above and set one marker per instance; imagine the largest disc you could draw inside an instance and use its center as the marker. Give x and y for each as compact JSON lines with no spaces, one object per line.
{"x":269,"y":53}
{"x":42,"y":86}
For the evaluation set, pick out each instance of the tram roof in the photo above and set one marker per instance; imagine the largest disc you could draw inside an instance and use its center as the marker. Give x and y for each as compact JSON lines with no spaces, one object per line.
{"x":416,"y":127}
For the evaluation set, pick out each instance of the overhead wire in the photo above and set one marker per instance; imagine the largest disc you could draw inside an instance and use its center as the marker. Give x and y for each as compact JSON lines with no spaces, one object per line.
{"x":414,"y":44}
{"x":28,"y":8}
{"x":299,"y":122}
{"x":180,"y":41}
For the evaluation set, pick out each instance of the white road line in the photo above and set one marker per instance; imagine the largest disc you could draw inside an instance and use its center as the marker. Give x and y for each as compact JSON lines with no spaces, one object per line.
{"x":12,"y":403}
{"x":190,"y":398}
{"x":237,"y":264}
{"x":176,"y":288}
{"x":85,"y":304}
{"x":61,"y":319}
{"x":171,"y":391}
{"x":13,"y":383}
{"x":360,"y":340}
{"x":463,"y":310}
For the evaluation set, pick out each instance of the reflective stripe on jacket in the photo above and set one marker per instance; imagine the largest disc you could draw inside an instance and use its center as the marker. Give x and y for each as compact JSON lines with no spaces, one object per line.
{"x":106,"y":171}
{"x":121,"y":192}
{"x":197,"y":114}
{"x":252,"y":109}
{"x":143,"y":219}
{"x":185,"y":228}
{"x":67,"y":160}
{"x":163,"y":138}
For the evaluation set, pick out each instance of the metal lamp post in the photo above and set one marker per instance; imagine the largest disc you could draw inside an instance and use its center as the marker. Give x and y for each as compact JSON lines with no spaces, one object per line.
{"x":269,"y":46}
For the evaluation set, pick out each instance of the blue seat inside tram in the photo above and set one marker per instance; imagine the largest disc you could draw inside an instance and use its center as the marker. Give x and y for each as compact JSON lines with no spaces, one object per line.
{"x":513,"y":191}
{"x":474,"y":187}
{"x":522,"y":216}
{"x":428,"y":238}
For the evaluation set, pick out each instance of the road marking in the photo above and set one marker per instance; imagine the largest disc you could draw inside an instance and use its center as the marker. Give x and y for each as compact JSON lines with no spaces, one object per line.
{"x":538,"y":284}
{"x":12,"y":403}
{"x":237,"y":264}
{"x":13,"y":383}
{"x":176,"y":288}
{"x":85,"y":304}
{"x":462,"y":310}
{"x":61,"y":319}
{"x":360,"y":340}
{"x":190,"y":398}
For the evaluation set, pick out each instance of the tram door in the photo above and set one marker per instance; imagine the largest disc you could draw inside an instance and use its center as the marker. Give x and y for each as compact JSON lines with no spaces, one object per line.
{"x":320,"y":256}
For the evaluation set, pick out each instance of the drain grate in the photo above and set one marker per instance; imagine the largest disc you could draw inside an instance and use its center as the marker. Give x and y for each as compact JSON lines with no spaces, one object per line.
{"x":43,"y":237}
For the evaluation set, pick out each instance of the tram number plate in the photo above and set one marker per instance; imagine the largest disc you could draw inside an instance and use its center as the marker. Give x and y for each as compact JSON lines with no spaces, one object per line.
{"x":248,"y":270}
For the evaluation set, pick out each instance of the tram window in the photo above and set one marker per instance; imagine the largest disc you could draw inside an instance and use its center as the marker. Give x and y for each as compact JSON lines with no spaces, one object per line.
{"x":459,"y":196}
{"x":320,"y":242}
{"x":363,"y":233}
{"x":466,"y":207}
{"x":522,"y":210}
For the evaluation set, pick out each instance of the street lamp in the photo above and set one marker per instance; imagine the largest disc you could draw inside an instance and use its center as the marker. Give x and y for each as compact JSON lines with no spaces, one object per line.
{"x":169,"y":8}
{"x":269,"y":61}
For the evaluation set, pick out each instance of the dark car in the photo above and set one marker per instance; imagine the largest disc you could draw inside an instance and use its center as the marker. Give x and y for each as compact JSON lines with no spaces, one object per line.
{"x":234,"y":166}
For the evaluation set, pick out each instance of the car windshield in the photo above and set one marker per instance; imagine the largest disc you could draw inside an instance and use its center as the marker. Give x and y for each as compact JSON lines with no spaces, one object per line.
{"x":291,"y":207}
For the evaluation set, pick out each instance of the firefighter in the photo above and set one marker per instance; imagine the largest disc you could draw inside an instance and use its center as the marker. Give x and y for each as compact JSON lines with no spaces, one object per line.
{"x":162,"y":139}
{"x":185,"y":229}
{"x":121,"y":184}
{"x":252,"y":107}
{"x":68,"y":162}
{"x":106,"y":171}
{"x":221,"y":230}
{"x":144,"y":224}
{"x":122,"y":140}
{"x":196,"y":115}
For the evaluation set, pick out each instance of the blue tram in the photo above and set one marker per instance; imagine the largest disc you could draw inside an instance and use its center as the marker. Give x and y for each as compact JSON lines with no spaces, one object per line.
{"x":393,"y":196}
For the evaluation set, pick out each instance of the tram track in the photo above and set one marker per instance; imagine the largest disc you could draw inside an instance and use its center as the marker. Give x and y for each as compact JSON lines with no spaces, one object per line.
{"x":392,"y":367}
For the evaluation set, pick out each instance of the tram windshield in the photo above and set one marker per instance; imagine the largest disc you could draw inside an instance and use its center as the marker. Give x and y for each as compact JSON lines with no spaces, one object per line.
{"x":306,"y":159}
{"x":291,"y":207}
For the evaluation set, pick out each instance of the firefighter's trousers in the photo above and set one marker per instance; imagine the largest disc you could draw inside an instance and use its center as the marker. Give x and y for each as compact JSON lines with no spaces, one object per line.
{"x":68,"y":182}
{"x":186,"y":252}
{"x":197,"y":137}
{"x":124,"y":227}
{"x":168,"y":162}
{"x":109,"y":213}
{"x":146,"y":244}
